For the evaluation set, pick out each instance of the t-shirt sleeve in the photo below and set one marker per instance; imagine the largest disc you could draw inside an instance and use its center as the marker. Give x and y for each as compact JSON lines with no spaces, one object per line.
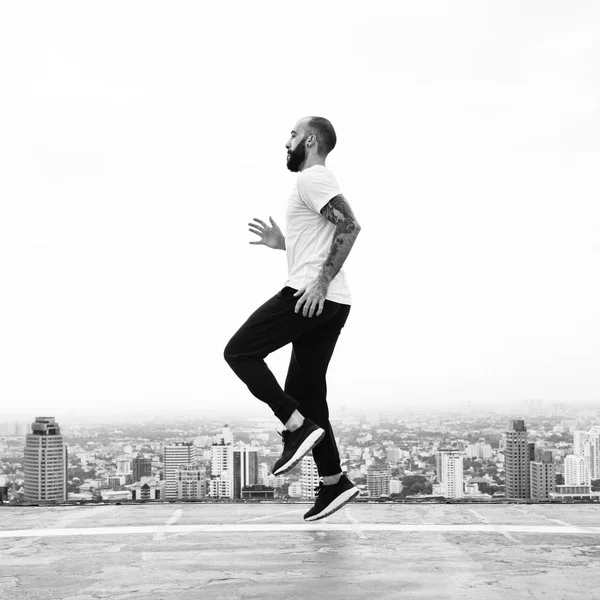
{"x":317,"y":187}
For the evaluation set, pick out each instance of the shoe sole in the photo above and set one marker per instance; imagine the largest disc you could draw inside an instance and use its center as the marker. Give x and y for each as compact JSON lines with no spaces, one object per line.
{"x":307,"y":445}
{"x":340,"y":501}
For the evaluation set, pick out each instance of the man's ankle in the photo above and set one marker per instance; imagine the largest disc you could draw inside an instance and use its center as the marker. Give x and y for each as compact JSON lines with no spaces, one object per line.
{"x":295,"y":421}
{"x":331,"y":479}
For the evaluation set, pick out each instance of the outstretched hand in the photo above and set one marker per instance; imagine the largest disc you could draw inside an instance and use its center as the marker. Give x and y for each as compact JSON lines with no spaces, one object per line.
{"x":269,"y":236}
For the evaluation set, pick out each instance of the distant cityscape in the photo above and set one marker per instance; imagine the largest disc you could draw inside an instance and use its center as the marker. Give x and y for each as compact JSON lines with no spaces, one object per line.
{"x":545,"y":454}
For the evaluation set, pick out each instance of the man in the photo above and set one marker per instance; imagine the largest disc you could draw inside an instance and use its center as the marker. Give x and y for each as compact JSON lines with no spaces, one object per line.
{"x":309,"y":312}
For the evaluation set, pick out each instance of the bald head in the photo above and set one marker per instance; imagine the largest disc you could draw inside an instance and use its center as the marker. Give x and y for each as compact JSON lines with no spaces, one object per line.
{"x":323,"y":130}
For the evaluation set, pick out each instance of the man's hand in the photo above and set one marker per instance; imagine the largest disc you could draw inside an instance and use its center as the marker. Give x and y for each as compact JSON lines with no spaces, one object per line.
{"x":269,"y":236}
{"x":313,"y":297}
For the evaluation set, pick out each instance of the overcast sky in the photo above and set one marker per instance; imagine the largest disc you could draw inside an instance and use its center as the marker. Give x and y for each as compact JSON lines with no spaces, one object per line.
{"x":137,"y":139}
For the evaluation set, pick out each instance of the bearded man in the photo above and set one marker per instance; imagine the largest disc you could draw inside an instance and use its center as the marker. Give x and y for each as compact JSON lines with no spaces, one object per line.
{"x":309,"y":312}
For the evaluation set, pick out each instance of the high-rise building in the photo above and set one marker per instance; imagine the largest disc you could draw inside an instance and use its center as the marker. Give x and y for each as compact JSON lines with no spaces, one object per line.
{"x":221,"y":462}
{"x":123,"y":466}
{"x":450,"y":473}
{"x":378,"y":481}
{"x":175,"y":456}
{"x":309,"y":477}
{"x":141,"y":467}
{"x":542,"y":476}
{"x":245,"y":469}
{"x":576,"y":470}
{"x":516,"y":460}
{"x":45,"y":462}
{"x":594,"y":452}
{"x":579,"y":438}
{"x":3,"y":489}
{"x":221,"y":458}
{"x":191,"y":482}
{"x":587,"y":445}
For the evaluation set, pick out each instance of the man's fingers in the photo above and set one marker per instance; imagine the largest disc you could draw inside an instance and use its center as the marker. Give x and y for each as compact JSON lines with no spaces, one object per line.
{"x":272,"y":222}
{"x":308,"y":308}
{"x":321,"y":305}
{"x":261,"y":222}
{"x":300,"y":291}
{"x":300,"y":302}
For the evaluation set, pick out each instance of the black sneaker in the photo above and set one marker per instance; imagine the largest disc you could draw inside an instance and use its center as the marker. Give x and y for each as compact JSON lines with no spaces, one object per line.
{"x":296,"y":444}
{"x":331,"y":498}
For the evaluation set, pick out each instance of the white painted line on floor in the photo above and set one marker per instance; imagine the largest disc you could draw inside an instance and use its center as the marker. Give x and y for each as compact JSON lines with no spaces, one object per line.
{"x":272,"y":516}
{"x":478,"y":515}
{"x":531,"y":513}
{"x":486,"y":522}
{"x":352,"y":520}
{"x":159,"y":535}
{"x":299,"y":528}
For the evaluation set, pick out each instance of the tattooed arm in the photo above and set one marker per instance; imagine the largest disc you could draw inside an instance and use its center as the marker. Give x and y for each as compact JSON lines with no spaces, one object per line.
{"x":338,"y":212}
{"x":312,"y":296}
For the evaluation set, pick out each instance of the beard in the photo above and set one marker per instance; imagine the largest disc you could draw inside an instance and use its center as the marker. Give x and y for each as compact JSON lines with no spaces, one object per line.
{"x":297,"y":156}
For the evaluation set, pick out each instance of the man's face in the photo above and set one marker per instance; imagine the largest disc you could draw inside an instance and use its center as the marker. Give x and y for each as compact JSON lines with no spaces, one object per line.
{"x":296,"y":148}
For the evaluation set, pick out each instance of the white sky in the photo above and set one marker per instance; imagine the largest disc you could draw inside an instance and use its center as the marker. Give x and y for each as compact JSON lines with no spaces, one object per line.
{"x":137,"y":139}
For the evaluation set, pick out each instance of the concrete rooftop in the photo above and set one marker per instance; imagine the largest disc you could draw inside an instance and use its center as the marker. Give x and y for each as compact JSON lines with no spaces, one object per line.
{"x":248,"y":551}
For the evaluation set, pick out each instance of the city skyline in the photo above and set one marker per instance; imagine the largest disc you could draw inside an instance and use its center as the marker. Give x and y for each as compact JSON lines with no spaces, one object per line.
{"x":546,"y":458}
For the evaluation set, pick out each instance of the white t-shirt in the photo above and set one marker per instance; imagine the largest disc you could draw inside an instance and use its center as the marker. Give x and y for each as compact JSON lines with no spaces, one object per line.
{"x":309,"y":234}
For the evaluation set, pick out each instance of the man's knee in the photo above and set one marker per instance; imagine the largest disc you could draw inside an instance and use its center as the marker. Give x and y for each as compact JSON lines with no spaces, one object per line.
{"x":230,"y":354}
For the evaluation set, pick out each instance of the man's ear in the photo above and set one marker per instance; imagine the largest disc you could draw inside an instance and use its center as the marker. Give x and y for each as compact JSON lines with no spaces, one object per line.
{"x":310,"y":140}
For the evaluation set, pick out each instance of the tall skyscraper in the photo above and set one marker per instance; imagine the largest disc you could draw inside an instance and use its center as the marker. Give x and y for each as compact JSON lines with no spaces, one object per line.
{"x":141,"y":467}
{"x":221,"y":462}
{"x":450,"y":473}
{"x":594,"y":452}
{"x":176,"y":455}
{"x":309,"y":477}
{"x":45,"y":462}
{"x":245,"y":469}
{"x":542,"y":475}
{"x":516,"y":461}
{"x":586,"y":444}
{"x":378,"y":481}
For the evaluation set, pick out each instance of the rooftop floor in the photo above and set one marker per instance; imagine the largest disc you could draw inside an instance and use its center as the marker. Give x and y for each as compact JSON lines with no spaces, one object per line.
{"x":263,"y":551}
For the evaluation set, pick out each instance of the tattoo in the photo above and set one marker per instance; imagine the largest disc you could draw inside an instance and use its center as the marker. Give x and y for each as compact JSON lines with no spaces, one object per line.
{"x":338,"y":212}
